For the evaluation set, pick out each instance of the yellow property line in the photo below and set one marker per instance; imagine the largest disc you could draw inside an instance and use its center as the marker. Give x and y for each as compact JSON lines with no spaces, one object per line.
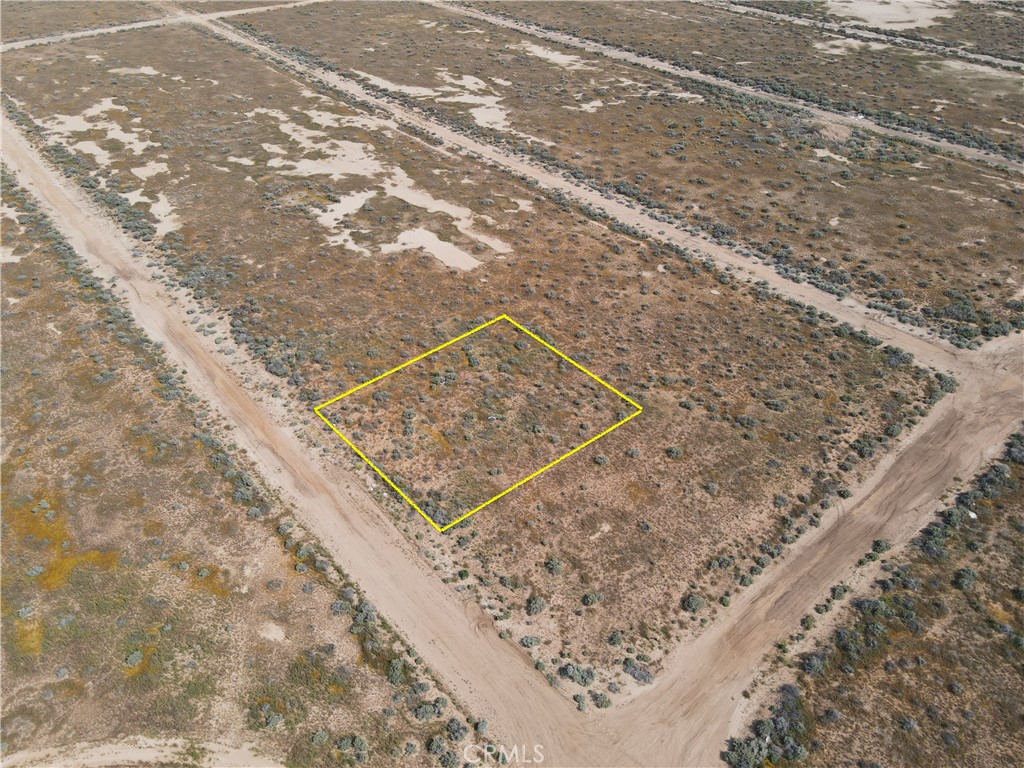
{"x":531,"y":334}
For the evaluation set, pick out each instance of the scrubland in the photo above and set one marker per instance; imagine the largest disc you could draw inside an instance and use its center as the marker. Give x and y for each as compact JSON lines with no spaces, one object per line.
{"x":991,"y":29}
{"x":930,"y":240}
{"x":152,"y":584}
{"x":923,"y":669}
{"x":26,"y":19}
{"x":299,"y":216}
{"x":967,"y":103}
{"x":467,"y":422}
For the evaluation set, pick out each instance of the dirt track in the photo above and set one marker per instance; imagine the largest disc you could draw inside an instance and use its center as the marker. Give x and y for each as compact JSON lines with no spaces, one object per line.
{"x":139,"y":751}
{"x":826,"y":116}
{"x":915,"y":340}
{"x":685,"y":717}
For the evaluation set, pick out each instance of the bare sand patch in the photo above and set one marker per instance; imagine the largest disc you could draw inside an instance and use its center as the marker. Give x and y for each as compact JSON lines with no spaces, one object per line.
{"x":892,"y":14}
{"x":445,"y":252}
{"x":152,"y":168}
{"x":566,"y":60}
{"x":133,"y":71}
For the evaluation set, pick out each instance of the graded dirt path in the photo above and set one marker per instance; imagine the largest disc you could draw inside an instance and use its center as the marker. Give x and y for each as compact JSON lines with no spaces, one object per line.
{"x":854,"y":30}
{"x":695,"y":705}
{"x":684,"y":718}
{"x":926,"y":349}
{"x":826,"y":116}
{"x":141,"y":752}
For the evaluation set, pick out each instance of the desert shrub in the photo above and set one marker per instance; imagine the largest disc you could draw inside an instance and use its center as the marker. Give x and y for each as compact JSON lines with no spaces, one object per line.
{"x":965,"y":579}
{"x":579,"y":674}
{"x":638,"y":672}
{"x":456,"y":730}
{"x":554,"y":566}
{"x":535,"y":604}
{"x":396,"y":672}
{"x":695,"y":603}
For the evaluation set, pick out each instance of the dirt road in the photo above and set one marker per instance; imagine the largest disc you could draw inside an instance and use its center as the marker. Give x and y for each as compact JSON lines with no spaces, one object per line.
{"x":64,"y":37}
{"x":826,"y":116}
{"x":141,"y":752}
{"x":685,"y":717}
{"x":854,"y":29}
{"x":927,"y":350}
{"x":453,"y":635}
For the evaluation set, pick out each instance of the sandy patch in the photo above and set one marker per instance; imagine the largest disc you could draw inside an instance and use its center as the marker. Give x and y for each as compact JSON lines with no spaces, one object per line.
{"x":133,"y":71}
{"x":590,"y":106}
{"x":272,"y":631}
{"x":152,"y":168}
{"x":821,"y":153}
{"x":410,"y":90}
{"x":892,"y":14}
{"x":839,"y":46}
{"x":67,"y":125}
{"x":554,"y":57}
{"x":445,"y":252}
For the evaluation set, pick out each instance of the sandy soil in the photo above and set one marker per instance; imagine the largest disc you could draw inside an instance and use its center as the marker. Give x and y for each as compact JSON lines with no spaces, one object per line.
{"x":139,"y":751}
{"x":863,"y":34}
{"x":829,"y":118}
{"x":685,"y":717}
{"x":914,"y":340}
{"x":159,"y":22}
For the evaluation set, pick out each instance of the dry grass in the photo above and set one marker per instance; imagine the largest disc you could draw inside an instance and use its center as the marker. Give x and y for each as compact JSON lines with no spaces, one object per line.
{"x":754,"y":410}
{"x":147,"y":587}
{"x":931,"y":240}
{"x":26,"y":19}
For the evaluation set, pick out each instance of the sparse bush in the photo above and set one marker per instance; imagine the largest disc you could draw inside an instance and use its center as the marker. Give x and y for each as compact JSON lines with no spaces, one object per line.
{"x":695,"y":603}
{"x":535,"y":604}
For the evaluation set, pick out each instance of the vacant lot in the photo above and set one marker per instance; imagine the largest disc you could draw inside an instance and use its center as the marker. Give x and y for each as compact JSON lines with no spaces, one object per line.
{"x":933,"y":241}
{"x":468,"y":422}
{"x":293,"y":213}
{"x":967,"y":103}
{"x":925,"y":669}
{"x":993,"y":29}
{"x":25,"y":19}
{"x":151,"y":585}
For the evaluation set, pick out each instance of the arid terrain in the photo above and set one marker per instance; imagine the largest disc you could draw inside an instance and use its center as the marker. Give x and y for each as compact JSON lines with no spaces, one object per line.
{"x":240,"y":211}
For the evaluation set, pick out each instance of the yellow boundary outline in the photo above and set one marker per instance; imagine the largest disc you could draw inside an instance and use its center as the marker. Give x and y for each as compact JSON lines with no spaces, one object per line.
{"x":318,"y":410}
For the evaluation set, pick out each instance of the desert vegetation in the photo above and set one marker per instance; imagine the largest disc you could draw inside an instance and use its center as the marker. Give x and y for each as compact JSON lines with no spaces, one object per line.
{"x":990,"y":28}
{"x":26,"y":19}
{"x":849,"y":211}
{"x":283,"y":209}
{"x":927,"y":661}
{"x":892,"y":84}
{"x":152,"y":583}
{"x":470,"y":421}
